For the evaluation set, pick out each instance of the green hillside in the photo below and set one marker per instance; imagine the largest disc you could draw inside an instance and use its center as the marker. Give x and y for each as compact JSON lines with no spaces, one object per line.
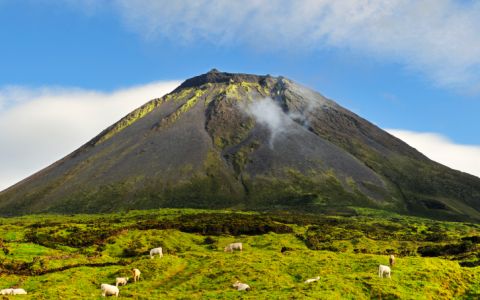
{"x":68,"y":257}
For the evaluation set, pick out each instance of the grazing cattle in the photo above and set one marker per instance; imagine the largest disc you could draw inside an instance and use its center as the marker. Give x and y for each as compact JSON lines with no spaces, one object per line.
{"x":121,"y":281}
{"x":312,"y":279}
{"x":391,"y":260}
{"x":6,"y":291}
{"x":241,"y":286}
{"x":109,"y":290}
{"x":19,"y":292}
{"x":136,"y":274}
{"x":234,"y":246}
{"x":156,"y":251}
{"x":13,"y":292}
{"x":384,"y":270}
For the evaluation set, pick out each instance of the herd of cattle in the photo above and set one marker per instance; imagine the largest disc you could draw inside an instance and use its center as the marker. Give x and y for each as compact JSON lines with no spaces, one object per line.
{"x":113,"y":290}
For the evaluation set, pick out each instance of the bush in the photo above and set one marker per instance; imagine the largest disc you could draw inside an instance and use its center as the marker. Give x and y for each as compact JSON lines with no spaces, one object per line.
{"x":209,"y":240}
{"x":449,"y":249}
{"x":234,"y":224}
{"x":74,"y":237}
{"x":470,"y":264}
{"x":218,"y":224}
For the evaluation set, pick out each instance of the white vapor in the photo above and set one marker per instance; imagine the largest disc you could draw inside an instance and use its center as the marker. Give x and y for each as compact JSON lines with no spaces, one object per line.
{"x":269,"y":114}
{"x":465,"y":158}
{"x":440,"y":38}
{"x":39,"y":126}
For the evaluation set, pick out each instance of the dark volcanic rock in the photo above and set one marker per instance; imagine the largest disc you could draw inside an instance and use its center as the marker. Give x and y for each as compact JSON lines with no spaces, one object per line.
{"x":224,"y":140}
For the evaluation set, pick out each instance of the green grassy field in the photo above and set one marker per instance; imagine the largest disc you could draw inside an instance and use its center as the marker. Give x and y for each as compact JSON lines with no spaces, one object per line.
{"x":68,"y":257}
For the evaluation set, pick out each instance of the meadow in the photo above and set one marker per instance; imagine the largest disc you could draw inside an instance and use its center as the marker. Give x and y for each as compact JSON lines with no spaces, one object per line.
{"x":69,"y":256}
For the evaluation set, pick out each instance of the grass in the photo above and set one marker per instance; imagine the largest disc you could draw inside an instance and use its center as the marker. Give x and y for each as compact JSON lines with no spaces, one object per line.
{"x":195,"y":267}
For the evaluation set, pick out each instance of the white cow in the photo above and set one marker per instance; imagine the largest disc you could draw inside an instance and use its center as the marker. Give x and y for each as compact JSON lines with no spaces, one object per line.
{"x":121,"y":281}
{"x":13,"y":292}
{"x":156,"y":251}
{"x":234,"y":246}
{"x":384,"y":270}
{"x":241,"y":286}
{"x":136,"y":274}
{"x":19,"y":292}
{"x":312,"y":279}
{"x":109,"y":290}
{"x":6,"y":291}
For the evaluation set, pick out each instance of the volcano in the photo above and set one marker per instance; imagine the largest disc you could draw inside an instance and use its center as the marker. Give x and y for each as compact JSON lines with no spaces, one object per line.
{"x":241,"y":141}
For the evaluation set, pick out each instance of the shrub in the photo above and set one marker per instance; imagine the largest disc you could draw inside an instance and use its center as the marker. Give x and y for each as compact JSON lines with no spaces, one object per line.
{"x":74,"y":237}
{"x":443,"y":250}
{"x":209,"y":240}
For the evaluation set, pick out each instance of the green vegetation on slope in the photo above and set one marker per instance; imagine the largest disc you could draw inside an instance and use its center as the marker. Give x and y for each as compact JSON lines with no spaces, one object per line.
{"x":130,"y":119}
{"x":68,"y":257}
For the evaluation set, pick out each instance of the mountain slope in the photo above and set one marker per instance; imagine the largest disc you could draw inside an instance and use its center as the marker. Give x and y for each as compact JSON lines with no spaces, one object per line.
{"x":224,"y":140}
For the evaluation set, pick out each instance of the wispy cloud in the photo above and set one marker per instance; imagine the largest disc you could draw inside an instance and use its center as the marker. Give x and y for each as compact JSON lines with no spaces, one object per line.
{"x":440,"y":38}
{"x":40,"y":125}
{"x":465,"y":158}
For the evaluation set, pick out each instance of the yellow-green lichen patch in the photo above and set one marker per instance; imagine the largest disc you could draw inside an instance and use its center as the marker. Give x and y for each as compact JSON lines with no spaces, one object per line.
{"x":130,"y":119}
{"x":189,"y":104}
{"x":182,"y":94}
{"x":232,"y":91}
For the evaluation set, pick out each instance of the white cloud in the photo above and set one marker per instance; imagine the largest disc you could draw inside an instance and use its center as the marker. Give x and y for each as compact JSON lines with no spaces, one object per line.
{"x":39,"y":126}
{"x":440,"y":38}
{"x":465,"y":158}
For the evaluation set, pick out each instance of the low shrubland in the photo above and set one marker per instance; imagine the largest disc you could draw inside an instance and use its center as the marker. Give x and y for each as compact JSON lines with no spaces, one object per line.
{"x":68,"y":257}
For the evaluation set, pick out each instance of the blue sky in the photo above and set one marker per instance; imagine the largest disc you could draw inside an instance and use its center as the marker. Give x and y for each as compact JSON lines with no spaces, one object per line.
{"x":412,"y":67}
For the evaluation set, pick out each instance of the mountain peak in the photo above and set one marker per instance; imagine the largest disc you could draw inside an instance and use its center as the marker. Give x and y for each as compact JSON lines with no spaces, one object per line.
{"x":215,"y":76}
{"x":243,"y":141}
